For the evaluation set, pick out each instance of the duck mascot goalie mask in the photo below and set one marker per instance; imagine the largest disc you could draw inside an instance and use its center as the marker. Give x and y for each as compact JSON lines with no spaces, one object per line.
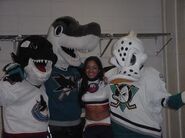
{"x":137,"y":94}
{"x":24,"y":101}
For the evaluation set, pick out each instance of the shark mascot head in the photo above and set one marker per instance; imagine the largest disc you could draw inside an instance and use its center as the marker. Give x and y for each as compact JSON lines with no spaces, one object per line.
{"x":128,"y":57}
{"x":68,"y":36}
{"x":36,"y":57}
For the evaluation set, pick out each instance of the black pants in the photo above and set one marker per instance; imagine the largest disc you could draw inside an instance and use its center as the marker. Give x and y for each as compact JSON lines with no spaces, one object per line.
{"x":25,"y":135}
{"x":66,"y":132}
{"x":98,"y":131}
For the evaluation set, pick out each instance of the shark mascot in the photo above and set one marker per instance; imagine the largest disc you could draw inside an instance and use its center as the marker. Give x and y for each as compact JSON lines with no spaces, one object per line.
{"x":68,"y":37}
{"x":137,"y":94}
{"x":23,"y":96}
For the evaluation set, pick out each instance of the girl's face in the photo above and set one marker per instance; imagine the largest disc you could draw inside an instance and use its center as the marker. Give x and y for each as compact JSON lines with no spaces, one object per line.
{"x":91,"y":69}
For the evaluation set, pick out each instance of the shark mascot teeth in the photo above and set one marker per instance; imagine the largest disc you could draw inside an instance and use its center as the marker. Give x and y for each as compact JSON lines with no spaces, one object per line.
{"x":68,"y":37}
{"x":25,"y":103}
{"x":137,"y":93}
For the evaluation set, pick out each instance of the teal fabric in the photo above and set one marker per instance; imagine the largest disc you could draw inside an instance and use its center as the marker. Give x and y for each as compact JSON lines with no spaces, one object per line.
{"x":65,"y":109}
{"x":16,"y":70}
{"x":175,"y":101}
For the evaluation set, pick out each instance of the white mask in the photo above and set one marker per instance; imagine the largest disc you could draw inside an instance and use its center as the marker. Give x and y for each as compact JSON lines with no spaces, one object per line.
{"x":34,"y":75}
{"x":129,"y":57}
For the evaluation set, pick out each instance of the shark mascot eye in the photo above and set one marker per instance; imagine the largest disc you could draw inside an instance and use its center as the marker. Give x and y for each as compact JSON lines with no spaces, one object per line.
{"x":68,"y":37}
{"x":128,"y":57}
{"x":36,"y":57}
{"x":58,"y":30}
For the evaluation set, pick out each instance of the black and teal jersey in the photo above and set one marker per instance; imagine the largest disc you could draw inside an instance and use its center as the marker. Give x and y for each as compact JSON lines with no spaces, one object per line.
{"x":62,"y":91}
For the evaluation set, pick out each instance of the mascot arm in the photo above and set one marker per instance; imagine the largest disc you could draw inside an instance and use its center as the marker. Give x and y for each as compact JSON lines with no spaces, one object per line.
{"x":175,"y":101}
{"x":7,"y":93}
{"x":13,"y":73}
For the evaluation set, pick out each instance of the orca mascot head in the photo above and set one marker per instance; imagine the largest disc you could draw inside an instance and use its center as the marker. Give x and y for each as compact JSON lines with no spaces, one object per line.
{"x":35,"y":55}
{"x":68,"y":36}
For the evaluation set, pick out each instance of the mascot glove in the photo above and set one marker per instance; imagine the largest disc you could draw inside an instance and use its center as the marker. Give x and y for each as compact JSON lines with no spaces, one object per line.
{"x":183,"y":97}
{"x":13,"y":72}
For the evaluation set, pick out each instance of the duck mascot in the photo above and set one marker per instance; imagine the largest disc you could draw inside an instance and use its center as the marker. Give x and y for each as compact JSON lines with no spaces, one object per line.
{"x":137,"y":94}
{"x":22,"y":91}
{"x":68,"y":37}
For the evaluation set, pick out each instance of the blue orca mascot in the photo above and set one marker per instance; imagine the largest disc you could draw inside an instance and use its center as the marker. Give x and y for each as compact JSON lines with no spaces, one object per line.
{"x":24,"y":101}
{"x":68,"y":37}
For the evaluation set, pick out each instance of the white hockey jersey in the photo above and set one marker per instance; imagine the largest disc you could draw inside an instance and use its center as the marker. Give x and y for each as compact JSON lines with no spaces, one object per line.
{"x":99,"y":97}
{"x":25,"y":107}
{"x":137,"y":106}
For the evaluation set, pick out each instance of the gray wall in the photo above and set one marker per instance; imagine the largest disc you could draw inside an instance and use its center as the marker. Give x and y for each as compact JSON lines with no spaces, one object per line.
{"x":114,"y":16}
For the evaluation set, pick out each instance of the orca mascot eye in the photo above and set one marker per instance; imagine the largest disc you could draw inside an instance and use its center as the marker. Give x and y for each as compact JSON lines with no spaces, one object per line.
{"x":36,"y":57}
{"x":33,"y":46}
{"x":36,"y":48}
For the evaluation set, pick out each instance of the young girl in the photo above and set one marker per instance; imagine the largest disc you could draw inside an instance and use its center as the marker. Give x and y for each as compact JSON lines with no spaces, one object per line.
{"x":94,"y":99}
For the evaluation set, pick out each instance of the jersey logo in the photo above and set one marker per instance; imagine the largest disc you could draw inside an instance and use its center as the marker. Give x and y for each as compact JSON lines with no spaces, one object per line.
{"x":122,"y":95}
{"x":65,"y":85}
{"x":92,"y":87}
{"x":40,"y":110}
